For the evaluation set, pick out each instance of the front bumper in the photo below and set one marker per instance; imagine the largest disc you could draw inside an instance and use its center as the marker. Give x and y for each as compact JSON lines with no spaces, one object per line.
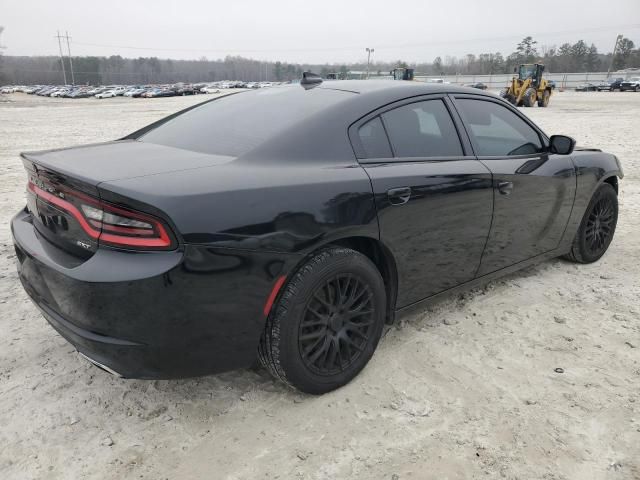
{"x":188,"y":312}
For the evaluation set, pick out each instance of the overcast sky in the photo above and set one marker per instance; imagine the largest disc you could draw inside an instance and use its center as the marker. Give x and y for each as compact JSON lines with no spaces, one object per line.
{"x":309,"y":31}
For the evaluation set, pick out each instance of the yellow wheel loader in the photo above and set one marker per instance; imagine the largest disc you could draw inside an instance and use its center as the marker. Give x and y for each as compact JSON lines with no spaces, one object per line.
{"x":528,"y":87}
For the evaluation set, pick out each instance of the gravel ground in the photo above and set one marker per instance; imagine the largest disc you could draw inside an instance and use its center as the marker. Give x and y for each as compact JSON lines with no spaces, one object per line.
{"x":465,"y":389}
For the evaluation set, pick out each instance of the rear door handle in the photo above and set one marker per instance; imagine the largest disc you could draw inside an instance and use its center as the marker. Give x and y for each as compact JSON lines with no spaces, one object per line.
{"x":505,"y":188}
{"x":399,"y":196}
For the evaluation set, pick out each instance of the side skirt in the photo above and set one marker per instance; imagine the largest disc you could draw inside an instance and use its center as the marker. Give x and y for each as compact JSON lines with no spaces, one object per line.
{"x":477,"y":282}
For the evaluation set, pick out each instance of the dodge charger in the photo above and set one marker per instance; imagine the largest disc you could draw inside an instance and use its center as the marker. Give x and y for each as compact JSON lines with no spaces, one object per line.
{"x":290,"y":224}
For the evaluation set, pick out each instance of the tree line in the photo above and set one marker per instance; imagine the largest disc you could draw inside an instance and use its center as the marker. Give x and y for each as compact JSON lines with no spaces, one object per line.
{"x":568,"y":57}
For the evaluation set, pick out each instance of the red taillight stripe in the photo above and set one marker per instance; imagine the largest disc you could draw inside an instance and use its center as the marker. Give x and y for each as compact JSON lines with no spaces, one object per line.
{"x":69,"y":207}
{"x":162,"y":242}
{"x":272,"y":296}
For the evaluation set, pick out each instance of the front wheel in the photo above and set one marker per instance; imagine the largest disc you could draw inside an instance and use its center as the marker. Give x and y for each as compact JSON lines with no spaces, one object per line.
{"x":327,"y":323}
{"x":529,"y":97}
{"x":597,"y":227}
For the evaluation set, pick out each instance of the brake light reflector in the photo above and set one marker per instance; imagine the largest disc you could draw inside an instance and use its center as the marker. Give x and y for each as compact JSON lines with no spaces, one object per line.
{"x":109,"y":224}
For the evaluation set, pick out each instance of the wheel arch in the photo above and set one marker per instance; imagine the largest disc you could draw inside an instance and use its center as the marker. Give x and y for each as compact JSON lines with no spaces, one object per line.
{"x":374,"y":250}
{"x":612,"y":180}
{"x":384,"y":261}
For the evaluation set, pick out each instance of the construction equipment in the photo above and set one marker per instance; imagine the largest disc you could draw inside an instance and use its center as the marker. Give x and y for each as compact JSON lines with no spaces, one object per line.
{"x":402,"y":73}
{"x":528,"y":87}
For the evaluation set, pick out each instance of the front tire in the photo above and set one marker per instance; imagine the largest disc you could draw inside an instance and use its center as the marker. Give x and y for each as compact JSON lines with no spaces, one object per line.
{"x":597,"y":227}
{"x":504,"y":93}
{"x":327,"y":322}
{"x":529,"y":97}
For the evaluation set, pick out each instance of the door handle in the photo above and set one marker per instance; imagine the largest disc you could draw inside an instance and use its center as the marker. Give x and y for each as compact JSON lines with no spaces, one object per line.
{"x":505,"y":188}
{"x":399,"y":196}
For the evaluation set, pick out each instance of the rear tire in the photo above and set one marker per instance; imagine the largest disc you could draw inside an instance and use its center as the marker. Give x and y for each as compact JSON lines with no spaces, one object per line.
{"x":544,"y":101}
{"x":327,"y":323}
{"x":597,"y":227}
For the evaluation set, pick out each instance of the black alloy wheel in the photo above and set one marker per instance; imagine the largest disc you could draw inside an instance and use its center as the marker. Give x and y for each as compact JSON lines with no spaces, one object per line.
{"x":597,"y":227}
{"x":336,"y":325}
{"x":326,"y":323}
{"x":600,"y":226}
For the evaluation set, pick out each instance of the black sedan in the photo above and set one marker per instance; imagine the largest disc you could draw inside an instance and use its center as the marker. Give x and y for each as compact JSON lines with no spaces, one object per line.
{"x":478,"y":85}
{"x":587,"y":87}
{"x":610,"y":85}
{"x":293,"y":223}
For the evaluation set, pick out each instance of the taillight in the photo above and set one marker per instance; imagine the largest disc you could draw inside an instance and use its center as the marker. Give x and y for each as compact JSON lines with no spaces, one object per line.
{"x":109,"y":224}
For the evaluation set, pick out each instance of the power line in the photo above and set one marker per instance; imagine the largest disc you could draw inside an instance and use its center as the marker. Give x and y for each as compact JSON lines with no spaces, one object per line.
{"x":64,"y":73}
{"x":359,"y":47}
{"x":73,"y":80}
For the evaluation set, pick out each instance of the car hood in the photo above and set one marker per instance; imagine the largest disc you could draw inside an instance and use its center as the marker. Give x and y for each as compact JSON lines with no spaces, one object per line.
{"x":104,"y":162}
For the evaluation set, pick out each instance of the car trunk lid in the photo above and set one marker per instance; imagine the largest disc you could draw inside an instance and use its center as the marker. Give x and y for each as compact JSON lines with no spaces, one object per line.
{"x":60,"y":182}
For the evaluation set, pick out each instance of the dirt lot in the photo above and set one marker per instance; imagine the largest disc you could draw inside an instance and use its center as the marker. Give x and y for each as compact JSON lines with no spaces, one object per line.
{"x":465,"y":389}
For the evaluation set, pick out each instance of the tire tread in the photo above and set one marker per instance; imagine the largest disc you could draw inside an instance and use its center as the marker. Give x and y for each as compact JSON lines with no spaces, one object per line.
{"x":268,"y":349}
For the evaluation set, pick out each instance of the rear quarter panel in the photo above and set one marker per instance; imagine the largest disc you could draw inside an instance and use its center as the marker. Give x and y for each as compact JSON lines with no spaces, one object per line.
{"x":261,"y":207}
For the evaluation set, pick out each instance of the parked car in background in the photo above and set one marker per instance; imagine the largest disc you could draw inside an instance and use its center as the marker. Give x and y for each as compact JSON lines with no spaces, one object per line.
{"x":134,"y":92}
{"x":59,"y":92}
{"x":185,"y":90}
{"x":106,"y":94}
{"x":631,"y":84}
{"x":210,"y":89}
{"x":160,"y":92}
{"x":478,"y":85}
{"x":211,"y":237}
{"x":610,"y":84}
{"x":586,"y":87}
{"x":81,"y":93}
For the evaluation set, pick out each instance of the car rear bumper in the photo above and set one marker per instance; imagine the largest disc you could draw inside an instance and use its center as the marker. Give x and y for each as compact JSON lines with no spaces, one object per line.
{"x":188,"y":312}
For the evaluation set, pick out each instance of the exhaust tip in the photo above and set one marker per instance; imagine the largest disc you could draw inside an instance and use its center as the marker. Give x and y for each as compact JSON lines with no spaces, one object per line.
{"x":101,"y":366}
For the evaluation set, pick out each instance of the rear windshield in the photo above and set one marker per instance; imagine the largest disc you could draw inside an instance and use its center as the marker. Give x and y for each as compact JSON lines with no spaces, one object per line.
{"x":238,"y":123}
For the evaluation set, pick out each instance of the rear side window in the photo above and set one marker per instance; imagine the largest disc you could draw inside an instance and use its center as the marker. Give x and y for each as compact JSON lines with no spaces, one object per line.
{"x":498,"y":131}
{"x":374,"y":139}
{"x":236,"y":124}
{"x":422,"y":129}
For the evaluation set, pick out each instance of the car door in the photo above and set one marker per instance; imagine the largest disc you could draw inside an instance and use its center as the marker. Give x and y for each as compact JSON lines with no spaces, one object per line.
{"x":533,"y":189}
{"x":433,"y":198}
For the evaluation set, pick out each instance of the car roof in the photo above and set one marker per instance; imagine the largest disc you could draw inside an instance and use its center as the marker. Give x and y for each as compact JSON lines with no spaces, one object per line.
{"x":401,"y":87}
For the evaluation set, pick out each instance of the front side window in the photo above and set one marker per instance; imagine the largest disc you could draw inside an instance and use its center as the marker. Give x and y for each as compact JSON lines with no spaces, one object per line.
{"x":422,"y":129}
{"x":497,"y":131}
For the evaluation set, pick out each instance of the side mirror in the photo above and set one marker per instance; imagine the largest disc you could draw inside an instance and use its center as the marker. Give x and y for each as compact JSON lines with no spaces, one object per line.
{"x":561,"y":144}
{"x":515,"y":69}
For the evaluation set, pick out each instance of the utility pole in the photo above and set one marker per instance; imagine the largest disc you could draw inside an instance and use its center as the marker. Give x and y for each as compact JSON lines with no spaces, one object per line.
{"x":73,"y":80}
{"x":613,"y":57}
{"x":64,"y":73}
{"x":369,"y":52}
